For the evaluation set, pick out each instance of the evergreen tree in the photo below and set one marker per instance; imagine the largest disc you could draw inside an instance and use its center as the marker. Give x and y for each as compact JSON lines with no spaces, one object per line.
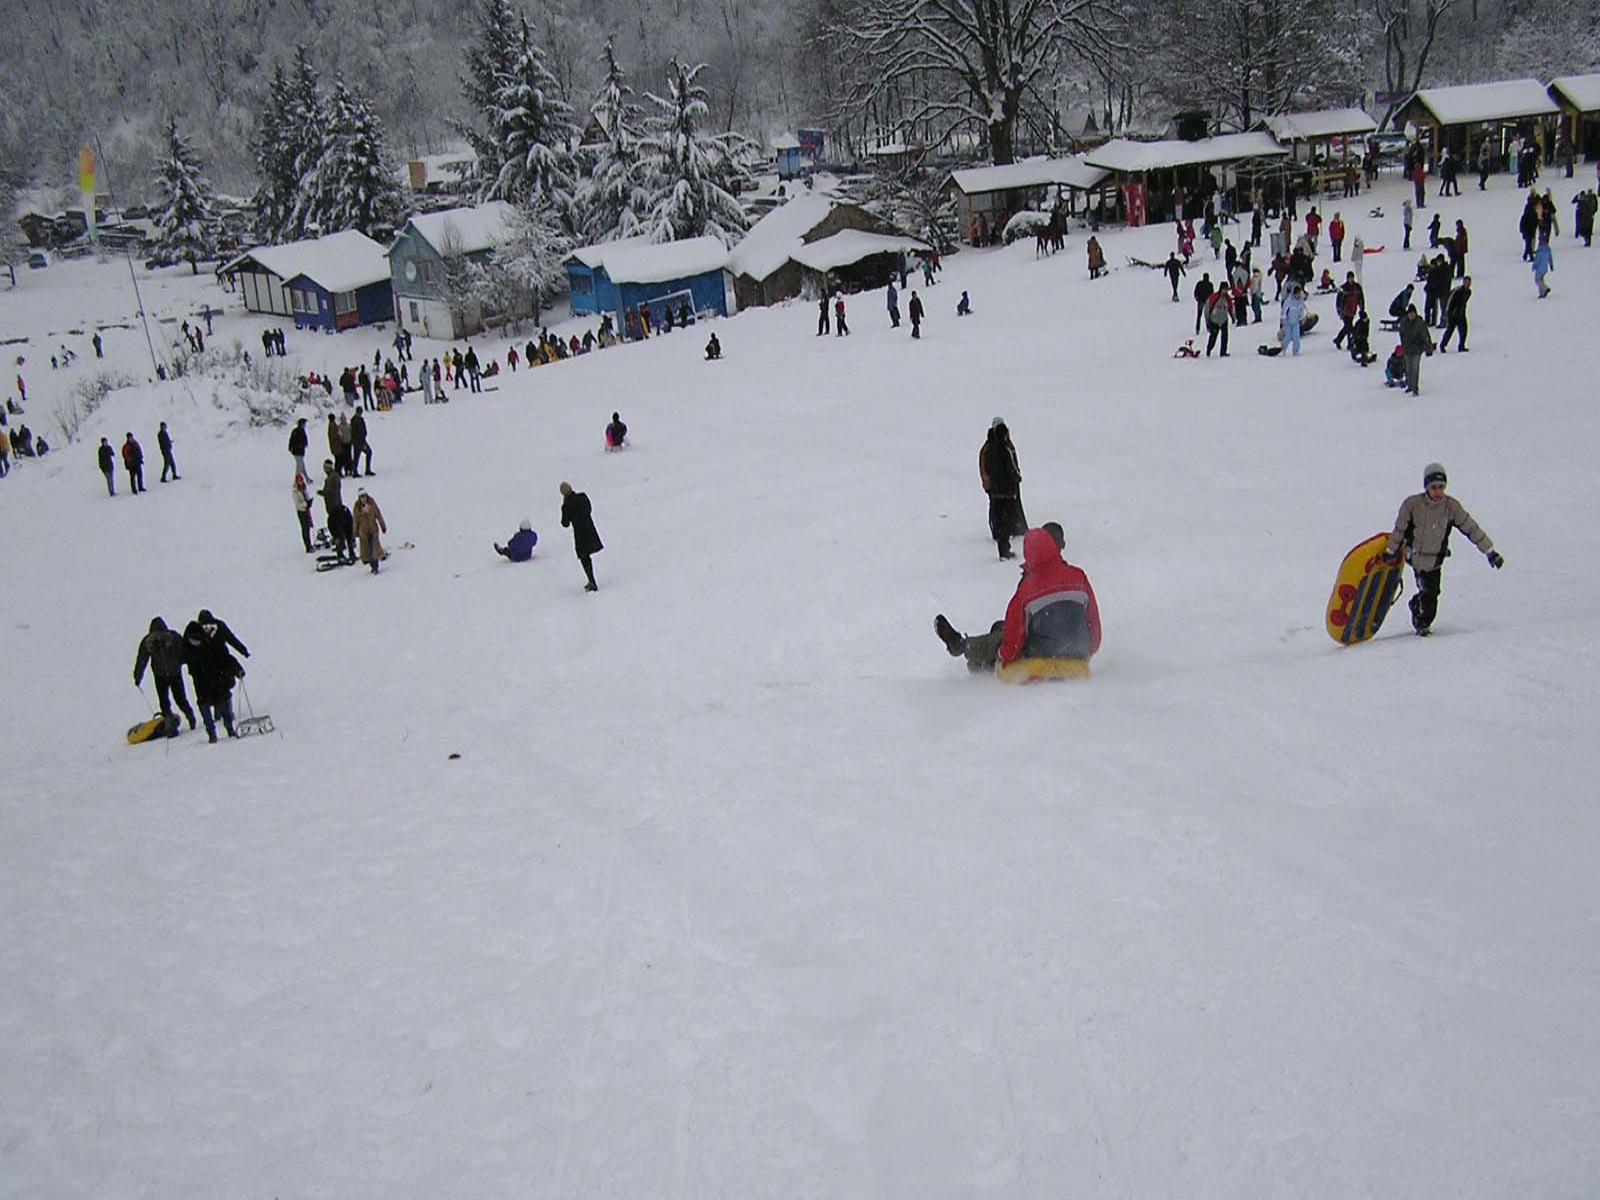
{"x":531,"y":126}
{"x":489,"y":62}
{"x":304,"y":142}
{"x":691,"y":172}
{"x":534,"y":259}
{"x":352,"y":186}
{"x":614,"y":201}
{"x":274,"y":198}
{"x":184,"y":228}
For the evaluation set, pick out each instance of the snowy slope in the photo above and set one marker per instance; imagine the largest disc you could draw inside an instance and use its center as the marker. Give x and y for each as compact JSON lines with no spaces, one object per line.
{"x":740,"y":886}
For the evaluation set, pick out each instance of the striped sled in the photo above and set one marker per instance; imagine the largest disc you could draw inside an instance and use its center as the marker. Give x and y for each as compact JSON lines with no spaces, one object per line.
{"x":1364,"y":592}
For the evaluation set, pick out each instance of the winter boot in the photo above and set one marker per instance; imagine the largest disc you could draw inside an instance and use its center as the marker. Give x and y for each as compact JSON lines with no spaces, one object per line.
{"x":950,"y":636}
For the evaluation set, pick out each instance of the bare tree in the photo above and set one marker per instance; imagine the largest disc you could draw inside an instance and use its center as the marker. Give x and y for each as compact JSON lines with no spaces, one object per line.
{"x":944,"y":64}
{"x":1408,"y":28}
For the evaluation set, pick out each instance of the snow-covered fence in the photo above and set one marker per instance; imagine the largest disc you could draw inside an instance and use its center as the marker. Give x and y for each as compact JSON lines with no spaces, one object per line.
{"x":86,"y":396}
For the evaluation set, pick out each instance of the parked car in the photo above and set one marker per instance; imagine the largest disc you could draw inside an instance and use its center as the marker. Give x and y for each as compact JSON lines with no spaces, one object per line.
{"x":37,"y":259}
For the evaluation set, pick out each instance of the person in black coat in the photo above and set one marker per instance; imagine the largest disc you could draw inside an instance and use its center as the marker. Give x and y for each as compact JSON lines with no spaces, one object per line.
{"x":168,"y":464}
{"x":298,"y":441}
{"x":1455,"y":316}
{"x":1001,"y":477}
{"x":1202,"y":293}
{"x":213,"y":670}
{"x":163,"y":651}
{"x":108,"y":466}
{"x":575,"y":512}
{"x":359,"y":444}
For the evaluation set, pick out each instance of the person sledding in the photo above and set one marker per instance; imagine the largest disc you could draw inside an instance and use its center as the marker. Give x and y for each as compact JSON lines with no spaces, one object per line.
{"x":1394,"y":370}
{"x":1052,"y":615}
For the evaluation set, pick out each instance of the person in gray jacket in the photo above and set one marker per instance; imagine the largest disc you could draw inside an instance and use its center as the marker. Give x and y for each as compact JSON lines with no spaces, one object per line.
{"x":1423,"y":527}
{"x":1418,"y":341}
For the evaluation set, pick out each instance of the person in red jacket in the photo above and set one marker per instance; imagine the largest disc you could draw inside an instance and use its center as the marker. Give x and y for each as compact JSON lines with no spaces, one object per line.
{"x":1336,"y":234}
{"x":1053,"y":613}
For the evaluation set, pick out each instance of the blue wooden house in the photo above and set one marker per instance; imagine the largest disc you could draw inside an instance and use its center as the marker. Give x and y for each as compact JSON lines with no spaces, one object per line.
{"x":333,"y":282}
{"x":420,"y":263}
{"x":623,"y":277}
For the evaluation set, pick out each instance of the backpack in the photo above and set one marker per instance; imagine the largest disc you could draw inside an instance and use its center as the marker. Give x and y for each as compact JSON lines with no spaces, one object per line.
{"x":1217,"y":309}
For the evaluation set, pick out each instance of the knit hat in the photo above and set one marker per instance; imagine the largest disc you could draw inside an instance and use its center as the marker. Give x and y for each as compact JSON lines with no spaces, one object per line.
{"x":526,"y":524}
{"x":997,"y":423}
{"x":1433,"y":473}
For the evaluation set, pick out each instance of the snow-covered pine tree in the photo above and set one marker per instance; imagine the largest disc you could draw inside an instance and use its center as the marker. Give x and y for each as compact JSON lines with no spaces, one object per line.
{"x":301,"y":133}
{"x":352,"y":185}
{"x":274,"y":198}
{"x":13,"y":246}
{"x":614,"y":201}
{"x":691,"y":172}
{"x":533,"y":260}
{"x":532,"y":126}
{"x":184,"y":227}
{"x":488,"y":61}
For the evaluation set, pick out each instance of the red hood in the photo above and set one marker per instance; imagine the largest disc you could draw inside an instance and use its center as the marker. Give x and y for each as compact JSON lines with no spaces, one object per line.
{"x":1038,"y":548}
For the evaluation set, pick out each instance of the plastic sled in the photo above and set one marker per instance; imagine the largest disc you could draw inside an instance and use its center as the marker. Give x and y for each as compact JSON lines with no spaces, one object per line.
{"x":1036,"y":670}
{"x":155,"y":728}
{"x":249,"y":726}
{"x":1364,"y":590}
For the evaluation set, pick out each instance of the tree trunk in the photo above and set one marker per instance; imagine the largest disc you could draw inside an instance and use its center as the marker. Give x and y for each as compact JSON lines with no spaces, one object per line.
{"x":1000,"y":142}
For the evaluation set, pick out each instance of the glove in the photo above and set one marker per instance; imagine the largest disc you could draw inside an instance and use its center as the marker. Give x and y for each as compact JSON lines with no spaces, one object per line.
{"x":1391,"y":559}
{"x":1495,"y":560}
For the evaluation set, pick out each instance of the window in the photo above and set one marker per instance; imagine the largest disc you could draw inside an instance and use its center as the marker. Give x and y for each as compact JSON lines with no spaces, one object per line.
{"x":582,"y":285}
{"x":344,"y":302}
{"x":427,"y":272}
{"x":414,"y":315}
{"x":303,"y":301}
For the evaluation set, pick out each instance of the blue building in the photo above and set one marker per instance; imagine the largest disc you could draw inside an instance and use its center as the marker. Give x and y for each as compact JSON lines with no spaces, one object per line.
{"x":333,"y":282}
{"x":432,"y":246}
{"x":623,"y":277}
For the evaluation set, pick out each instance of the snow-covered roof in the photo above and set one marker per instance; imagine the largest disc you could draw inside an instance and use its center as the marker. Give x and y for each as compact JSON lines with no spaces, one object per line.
{"x":1580,"y":91}
{"x":1472,"y":102}
{"x":773,"y":240}
{"x":594,"y":257}
{"x":1327,"y":122}
{"x":851,"y":246}
{"x":466,"y":230}
{"x":339,"y":262}
{"x":786,"y":141}
{"x":1034,"y":172}
{"x":1123,"y":155}
{"x":661,"y":261}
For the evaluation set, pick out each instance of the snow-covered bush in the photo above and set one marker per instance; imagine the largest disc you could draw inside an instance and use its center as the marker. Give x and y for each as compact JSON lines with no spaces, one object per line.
{"x":85,"y":398}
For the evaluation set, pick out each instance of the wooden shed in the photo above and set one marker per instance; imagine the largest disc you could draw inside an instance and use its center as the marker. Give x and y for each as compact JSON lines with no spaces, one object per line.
{"x":1461,"y":117}
{"x":1578,"y":98}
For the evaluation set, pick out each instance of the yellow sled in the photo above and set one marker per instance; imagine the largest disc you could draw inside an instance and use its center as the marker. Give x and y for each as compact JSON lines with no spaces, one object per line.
{"x":149,"y":731}
{"x":1034,"y":670}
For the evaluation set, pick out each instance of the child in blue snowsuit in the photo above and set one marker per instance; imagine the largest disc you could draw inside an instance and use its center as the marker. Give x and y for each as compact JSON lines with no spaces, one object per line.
{"x":520,"y":547}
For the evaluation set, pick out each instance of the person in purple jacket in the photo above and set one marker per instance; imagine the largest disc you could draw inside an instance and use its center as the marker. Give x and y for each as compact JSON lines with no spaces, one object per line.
{"x":520,"y":547}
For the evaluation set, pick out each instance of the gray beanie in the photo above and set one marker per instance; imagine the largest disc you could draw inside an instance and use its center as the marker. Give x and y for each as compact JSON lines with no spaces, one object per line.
{"x":1434,"y":473}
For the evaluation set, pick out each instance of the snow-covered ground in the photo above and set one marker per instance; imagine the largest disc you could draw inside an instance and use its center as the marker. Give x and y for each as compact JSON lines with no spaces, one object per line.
{"x":740,"y":886}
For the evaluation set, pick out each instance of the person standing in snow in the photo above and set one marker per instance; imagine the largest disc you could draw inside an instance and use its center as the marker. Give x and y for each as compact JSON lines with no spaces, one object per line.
{"x":1423,"y":527}
{"x":359,"y":445}
{"x":1001,"y":476}
{"x":894,"y":307}
{"x":840,"y":329}
{"x":1052,"y":614}
{"x":108,"y":465}
{"x":1417,"y":339}
{"x":519,"y":547}
{"x":168,"y":465}
{"x":1455,"y":316}
{"x":1097,"y":258}
{"x":1407,"y":215}
{"x":1544,"y":261}
{"x":914,"y":310}
{"x":95,"y":341}
{"x":577,"y":514}
{"x":1358,"y":256}
{"x":822,"y":315}
{"x":1484,"y":161}
{"x":1291,"y":317}
{"x":365,"y":381}
{"x":1218,"y":319}
{"x":133,"y":459}
{"x":298,"y":440}
{"x":1174,"y":271}
{"x":163,"y":651}
{"x":474,"y":369}
{"x":369,"y":523}
{"x":1336,"y":234}
{"x":302,"y":508}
